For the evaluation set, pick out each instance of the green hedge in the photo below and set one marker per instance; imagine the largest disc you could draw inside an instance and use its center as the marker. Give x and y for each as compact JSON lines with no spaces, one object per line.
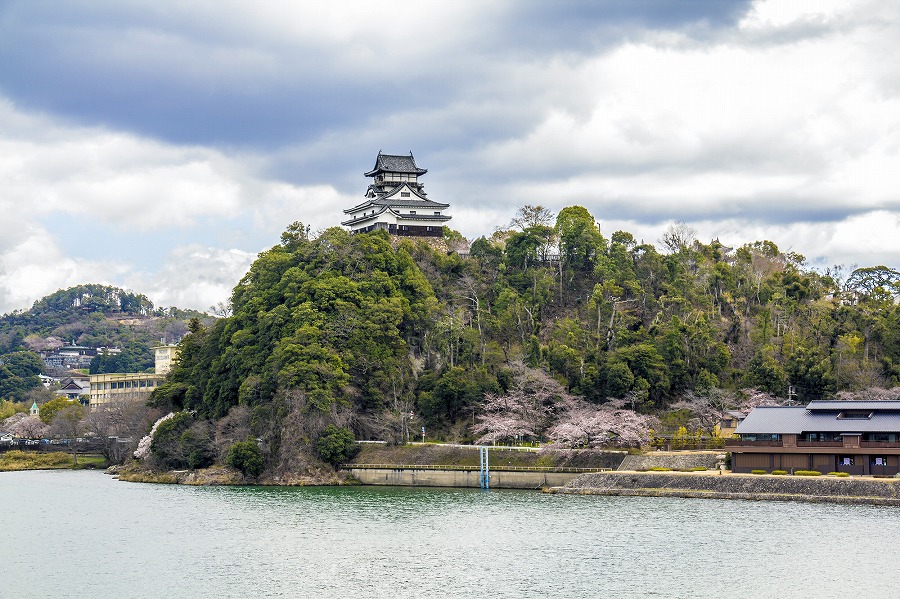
{"x":807,"y":473}
{"x":841,"y":474}
{"x":779,"y":472}
{"x":757,"y":472}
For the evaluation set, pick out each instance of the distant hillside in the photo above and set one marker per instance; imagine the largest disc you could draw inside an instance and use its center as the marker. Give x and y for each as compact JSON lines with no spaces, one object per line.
{"x":96,"y":316}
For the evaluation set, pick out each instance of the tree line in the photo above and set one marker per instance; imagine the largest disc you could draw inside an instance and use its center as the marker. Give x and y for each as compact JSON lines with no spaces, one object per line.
{"x":546,"y":330}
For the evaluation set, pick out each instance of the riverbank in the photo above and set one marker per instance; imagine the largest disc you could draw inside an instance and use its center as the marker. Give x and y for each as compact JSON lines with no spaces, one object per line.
{"x":402,"y":463}
{"x":15,"y":460}
{"x":225,"y":476}
{"x":708,"y":485}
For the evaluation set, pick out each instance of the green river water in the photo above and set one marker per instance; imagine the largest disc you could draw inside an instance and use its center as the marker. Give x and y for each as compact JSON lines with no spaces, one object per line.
{"x":85,"y":534}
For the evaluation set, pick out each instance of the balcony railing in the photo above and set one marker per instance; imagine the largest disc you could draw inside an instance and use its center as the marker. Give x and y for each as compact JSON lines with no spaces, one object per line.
{"x":771,"y":443}
{"x":744,"y":443}
{"x":880,"y":444}
{"x":820,"y":443}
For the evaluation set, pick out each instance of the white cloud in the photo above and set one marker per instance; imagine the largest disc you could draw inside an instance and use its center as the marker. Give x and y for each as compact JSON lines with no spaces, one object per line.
{"x":50,"y":169}
{"x":755,"y":136}
{"x":193,"y":277}
{"x":34,"y":266}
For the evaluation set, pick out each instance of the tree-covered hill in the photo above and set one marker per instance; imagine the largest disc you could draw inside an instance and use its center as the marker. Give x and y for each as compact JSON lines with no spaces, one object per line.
{"x":546,"y":330}
{"x":95,"y":316}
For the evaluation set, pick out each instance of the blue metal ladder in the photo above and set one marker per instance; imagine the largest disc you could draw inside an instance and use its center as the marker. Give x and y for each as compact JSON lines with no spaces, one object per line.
{"x":485,"y":475}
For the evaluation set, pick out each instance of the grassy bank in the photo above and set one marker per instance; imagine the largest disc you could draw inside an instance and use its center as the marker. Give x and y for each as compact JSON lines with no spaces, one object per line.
{"x":26,"y":460}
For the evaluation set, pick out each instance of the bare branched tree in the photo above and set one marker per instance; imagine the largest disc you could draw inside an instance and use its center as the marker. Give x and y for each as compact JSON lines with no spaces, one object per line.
{"x":531,"y":216}
{"x":678,"y":236}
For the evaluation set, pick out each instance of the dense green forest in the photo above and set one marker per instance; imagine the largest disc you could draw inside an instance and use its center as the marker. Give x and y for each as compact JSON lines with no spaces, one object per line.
{"x":538,"y":328}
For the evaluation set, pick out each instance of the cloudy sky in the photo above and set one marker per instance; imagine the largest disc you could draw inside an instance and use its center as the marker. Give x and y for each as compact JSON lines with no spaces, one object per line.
{"x":158,"y":146}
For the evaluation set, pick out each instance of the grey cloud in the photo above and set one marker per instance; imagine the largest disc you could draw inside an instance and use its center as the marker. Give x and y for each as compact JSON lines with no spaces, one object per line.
{"x":190,"y":79}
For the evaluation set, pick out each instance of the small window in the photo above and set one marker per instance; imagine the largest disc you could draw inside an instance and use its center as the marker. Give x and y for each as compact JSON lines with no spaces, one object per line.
{"x":404,"y":194}
{"x":855,"y":416}
{"x":412,"y":211}
{"x":437,"y":213}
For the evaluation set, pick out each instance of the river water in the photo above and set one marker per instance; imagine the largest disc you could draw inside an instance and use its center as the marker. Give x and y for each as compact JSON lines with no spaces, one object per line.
{"x":85,"y":534}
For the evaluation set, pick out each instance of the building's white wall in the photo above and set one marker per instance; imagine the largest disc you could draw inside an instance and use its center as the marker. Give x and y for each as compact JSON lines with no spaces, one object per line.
{"x":165,"y":356}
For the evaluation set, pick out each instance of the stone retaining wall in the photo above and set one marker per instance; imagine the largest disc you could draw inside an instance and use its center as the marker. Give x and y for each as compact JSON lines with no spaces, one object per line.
{"x":500,"y":457}
{"x":708,"y":459}
{"x":736,"y":486}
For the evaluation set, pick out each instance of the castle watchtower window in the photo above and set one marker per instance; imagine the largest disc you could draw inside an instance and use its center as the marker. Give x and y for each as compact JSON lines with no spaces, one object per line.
{"x":404,"y":194}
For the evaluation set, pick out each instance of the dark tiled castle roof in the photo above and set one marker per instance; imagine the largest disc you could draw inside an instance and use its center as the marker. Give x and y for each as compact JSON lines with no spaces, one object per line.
{"x":389,"y":163}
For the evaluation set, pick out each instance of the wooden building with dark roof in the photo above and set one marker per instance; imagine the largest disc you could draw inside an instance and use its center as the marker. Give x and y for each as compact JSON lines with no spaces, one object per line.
{"x":857,"y":437}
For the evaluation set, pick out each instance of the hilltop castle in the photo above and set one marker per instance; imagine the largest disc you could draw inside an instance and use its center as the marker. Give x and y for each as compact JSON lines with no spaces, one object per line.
{"x":395,"y":201}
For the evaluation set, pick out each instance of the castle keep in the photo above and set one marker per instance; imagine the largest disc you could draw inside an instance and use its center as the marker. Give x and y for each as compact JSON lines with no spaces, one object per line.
{"x":396,"y":201}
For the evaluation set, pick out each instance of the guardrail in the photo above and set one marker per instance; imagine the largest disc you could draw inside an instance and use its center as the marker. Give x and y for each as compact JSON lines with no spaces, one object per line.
{"x":469,"y":468}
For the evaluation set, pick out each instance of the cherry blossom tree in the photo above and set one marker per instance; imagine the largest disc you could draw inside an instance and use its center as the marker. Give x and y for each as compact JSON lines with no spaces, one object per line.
{"x":10,"y":422}
{"x":585,"y":425}
{"x":30,"y":427}
{"x":753,"y":398}
{"x":708,"y":408}
{"x":143,"y":448}
{"x":524,"y":411}
{"x":872,"y":394}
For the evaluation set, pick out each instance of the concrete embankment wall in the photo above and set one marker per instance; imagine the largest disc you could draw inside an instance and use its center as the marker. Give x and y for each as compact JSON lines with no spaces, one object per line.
{"x":737,"y":486}
{"x":500,"y":457}
{"x":675,"y":461}
{"x":412,"y":477}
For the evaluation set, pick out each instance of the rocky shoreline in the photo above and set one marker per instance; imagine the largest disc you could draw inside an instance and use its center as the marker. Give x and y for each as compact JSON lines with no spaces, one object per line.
{"x":221,"y":476}
{"x":824,"y":489}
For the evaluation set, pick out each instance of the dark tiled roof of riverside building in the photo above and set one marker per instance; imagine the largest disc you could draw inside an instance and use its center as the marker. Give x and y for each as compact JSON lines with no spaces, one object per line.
{"x":871,"y":417}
